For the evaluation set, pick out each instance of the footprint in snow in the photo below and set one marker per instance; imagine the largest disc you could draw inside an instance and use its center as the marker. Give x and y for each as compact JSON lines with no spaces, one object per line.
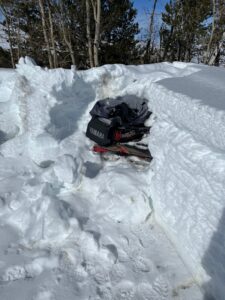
{"x":117,"y":273}
{"x":158,"y":291}
{"x":161,"y":287}
{"x":133,"y":251}
{"x":124,"y":291}
{"x":142,"y":264}
{"x":101,"y":276}
{"x":89,"y":267}
{"x":123,"y":256}
{"x":80,"y":274}
{"x":67,"y":261}
{"x":104,"y":292}
{"x":146,"y":292}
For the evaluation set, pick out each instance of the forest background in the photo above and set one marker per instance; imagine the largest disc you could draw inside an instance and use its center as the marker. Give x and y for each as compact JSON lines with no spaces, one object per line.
{"x":90,"y":33}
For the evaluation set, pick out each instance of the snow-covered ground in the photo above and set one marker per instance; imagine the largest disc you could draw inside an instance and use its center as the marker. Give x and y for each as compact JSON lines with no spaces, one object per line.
{"x":73,"y":226}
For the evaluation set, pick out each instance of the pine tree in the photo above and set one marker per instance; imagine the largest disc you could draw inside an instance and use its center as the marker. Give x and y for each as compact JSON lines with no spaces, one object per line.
{"x":25,"y":26}
{"x":54,"y":33}
{"x":184,"y":24}
{"x":118,"y":30}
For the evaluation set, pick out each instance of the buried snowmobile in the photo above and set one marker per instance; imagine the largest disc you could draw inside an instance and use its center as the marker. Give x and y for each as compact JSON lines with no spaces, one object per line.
{"x":117,"y":122}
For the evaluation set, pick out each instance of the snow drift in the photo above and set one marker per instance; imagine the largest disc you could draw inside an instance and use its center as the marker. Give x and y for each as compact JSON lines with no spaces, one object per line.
{"x":67,"y":212}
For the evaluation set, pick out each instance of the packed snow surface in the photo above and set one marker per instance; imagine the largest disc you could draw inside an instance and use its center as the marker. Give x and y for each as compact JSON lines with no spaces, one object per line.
{"x":75,"y":226}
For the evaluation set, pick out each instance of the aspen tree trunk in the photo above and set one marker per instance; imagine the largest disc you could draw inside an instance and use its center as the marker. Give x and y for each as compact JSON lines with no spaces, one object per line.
{"x":207,"y":55}
{"x":69,"y":44}
{"x":88,"y":28}
{"x":4,"y":12}
{"x":44,"y":28}
{"x":97,"y":32}
{"x":220,"y":43}
{"x":10,"y":42}
{"x":66,"y":34}
{"x":52,"y":36}
{"x":18,"y":39}
{"x":217,"y":51}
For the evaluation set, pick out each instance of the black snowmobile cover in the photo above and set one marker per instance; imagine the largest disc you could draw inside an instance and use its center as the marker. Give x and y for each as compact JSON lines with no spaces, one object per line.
{"x":132,"y":111}
{"x":118,"y":120}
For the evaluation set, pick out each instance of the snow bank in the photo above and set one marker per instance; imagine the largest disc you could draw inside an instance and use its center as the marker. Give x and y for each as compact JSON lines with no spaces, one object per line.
{"x":187,"y":142}
{"x":81,"y":213}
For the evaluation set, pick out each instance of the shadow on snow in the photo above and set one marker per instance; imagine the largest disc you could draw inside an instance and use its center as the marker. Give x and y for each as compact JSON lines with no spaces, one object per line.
{"x":72,"y":101}
{"x":214,"y":264}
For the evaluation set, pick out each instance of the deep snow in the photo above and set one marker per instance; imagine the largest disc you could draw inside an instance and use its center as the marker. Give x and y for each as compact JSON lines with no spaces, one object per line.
{"x":76,"y":227}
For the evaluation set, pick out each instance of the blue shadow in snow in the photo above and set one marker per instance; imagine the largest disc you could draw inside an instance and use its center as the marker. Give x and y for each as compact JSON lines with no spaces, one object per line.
{"x":214,"y":264}
{"x":72,"y":101}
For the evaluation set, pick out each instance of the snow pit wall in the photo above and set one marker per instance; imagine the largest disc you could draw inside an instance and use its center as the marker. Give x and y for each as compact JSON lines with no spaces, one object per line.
{"x":187,"y":142}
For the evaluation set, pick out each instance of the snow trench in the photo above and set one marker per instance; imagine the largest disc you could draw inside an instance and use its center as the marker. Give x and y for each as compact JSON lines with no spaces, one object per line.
{"x":96,"y":230}
{"x":187,"y":142}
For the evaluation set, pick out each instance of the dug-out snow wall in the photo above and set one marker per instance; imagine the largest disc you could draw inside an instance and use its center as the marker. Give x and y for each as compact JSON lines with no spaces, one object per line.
{"x":187,"y":142}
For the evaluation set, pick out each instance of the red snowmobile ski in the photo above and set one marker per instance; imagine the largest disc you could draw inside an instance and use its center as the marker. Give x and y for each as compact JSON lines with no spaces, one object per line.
{"x":125,"y":150}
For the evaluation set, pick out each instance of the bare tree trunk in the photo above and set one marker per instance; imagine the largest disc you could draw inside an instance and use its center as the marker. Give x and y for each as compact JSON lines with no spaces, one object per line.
{"x":207,"y":54}
{"x":10,"y":42}
{"x":97,"y":32}
{"x":18,"y":38}
{"x":66,"y":34}
{"x":217,"y":51}
{"x":44,"y":27}
{"x":4,"y":13}
{"x":52,"y":36}
{"x":151,"y":28}
{"x":88,"y":21}
{"x":69,"y":45}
